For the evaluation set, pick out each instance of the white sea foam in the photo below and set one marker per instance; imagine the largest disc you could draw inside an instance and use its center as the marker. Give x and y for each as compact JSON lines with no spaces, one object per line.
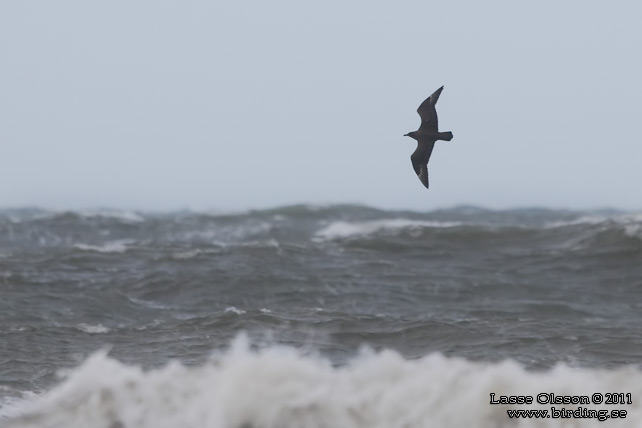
{"x":630,"y":224}
{"x":94,"y":329}
{"x":190,"y":254}
{"x":234,"y":310}
{"x":150,"y":303}
{"x":346,"y":229}
{"x":187,"y":254}
{"x":577,"y":221}
{"x":633,"y":230}
{"x":270,"y":243}
{"x":278,"y":387}
{"x":597,"y":219}
{"x":119,"y":246}
{"x":123,"y":216}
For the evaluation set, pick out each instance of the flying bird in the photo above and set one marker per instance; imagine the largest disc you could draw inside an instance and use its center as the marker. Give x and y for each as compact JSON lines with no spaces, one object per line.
{"x":426,"y":136}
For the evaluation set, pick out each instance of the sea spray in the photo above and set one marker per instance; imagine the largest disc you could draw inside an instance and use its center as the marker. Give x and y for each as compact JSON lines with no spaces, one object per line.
{"x":277,"y":386}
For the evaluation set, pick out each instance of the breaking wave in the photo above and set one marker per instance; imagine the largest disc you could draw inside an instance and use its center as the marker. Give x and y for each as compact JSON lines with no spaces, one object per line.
{"x":277,"y":386}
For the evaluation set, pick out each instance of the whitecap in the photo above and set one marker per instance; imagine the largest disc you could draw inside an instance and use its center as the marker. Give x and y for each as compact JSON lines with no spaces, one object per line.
{"x":578,"y":221}
{"x":122,"y":216}
{"x":119,"y":246}
{"x":346,"y":229}
{"x":278,"y":387}
{"x":630,"y":224}
{"x":233,"y":310}
{"x":195,"y":252}
{"x":93,"y":329}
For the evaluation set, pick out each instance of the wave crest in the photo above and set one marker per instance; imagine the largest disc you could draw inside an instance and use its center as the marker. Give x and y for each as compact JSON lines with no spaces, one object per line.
{"x":279,"y":387}
{"x":347,"y":229}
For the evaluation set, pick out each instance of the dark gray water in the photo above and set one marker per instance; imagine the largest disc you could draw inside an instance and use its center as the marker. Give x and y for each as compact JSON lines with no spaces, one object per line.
{"x":536,"y":286}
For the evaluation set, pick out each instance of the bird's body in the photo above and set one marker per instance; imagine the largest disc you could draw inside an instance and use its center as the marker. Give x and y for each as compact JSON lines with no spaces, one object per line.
{"x":426,"y":136}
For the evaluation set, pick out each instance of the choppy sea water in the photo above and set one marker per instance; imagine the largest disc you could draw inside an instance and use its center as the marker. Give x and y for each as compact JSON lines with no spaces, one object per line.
{"x":304,"y":316}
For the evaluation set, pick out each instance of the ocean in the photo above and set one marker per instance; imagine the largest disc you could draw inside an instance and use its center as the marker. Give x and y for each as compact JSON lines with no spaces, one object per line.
{"x":335,"y":316}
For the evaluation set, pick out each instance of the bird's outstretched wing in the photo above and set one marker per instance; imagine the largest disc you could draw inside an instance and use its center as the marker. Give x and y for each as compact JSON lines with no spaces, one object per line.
{"x":420,"y":159}
{"x":428,"y":113}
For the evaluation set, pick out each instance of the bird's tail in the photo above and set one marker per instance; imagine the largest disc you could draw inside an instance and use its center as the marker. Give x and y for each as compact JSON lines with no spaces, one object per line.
{"x":446,"y":136}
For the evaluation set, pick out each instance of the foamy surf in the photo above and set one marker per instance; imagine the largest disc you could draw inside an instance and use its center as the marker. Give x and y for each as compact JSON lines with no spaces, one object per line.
{"x":234,"y":310}
{"x":92,"y":329}
{"x":630,"y":224}
{"x":119,"y":246}
{"x":347,"y":229}
{"x":279,"y":387}
{"x":120,"y":215}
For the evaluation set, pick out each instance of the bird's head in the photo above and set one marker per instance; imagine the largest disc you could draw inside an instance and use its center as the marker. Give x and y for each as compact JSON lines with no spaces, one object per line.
{"x":410,"y":134}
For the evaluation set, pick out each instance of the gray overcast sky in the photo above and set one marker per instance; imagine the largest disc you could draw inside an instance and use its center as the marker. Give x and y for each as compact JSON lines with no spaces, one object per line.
{"x":247,"y":104}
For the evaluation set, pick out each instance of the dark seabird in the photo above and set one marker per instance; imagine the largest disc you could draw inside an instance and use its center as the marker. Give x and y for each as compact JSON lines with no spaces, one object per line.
{"x":426,"y":136}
